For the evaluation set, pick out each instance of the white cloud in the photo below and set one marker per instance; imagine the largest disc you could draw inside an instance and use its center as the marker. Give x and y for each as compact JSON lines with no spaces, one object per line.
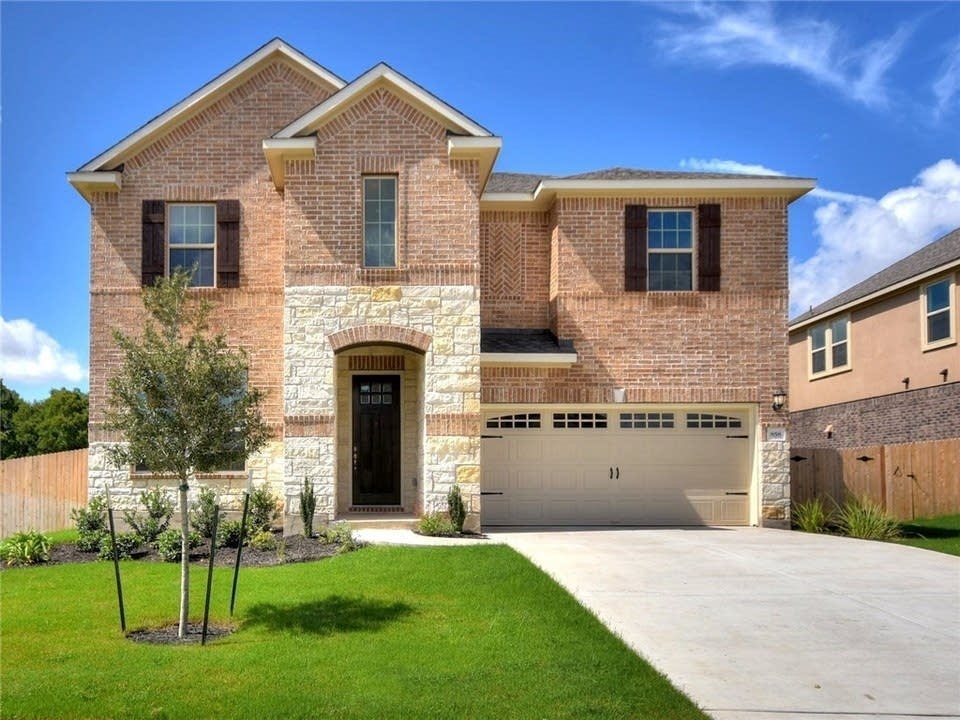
{"x":726,"y":35}
{"x":947,"y":86}
{"x":29,"y":355}
{"x":861,"y":237}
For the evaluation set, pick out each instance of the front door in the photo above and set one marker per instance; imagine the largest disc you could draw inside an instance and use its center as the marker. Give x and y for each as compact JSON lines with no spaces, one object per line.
{"x":376,"y":440}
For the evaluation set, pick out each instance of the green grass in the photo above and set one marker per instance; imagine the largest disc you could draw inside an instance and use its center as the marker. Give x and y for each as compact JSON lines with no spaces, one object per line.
{"x":475,"y":632}
{"x":940,"y":533}
{"x":59,"y":537}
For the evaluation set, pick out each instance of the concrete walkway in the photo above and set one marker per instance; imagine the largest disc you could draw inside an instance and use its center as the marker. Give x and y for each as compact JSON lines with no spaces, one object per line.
{"x":755,"y":623}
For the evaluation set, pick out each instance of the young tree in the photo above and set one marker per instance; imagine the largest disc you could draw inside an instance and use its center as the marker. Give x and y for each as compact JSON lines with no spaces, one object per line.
{"x":11,"y":444}
{"x":180,"y":400}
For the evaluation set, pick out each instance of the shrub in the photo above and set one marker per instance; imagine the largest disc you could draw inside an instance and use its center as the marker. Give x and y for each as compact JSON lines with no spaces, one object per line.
{"x":308,"y":506}
{"x":458,"y":513}
{"x":812,"y":516}
{"x":159,"y":508}
{"x":127,"y":545}
{"x":91,"y":523}
{"x":27,"y":547}
{"x":169,"y":542}
{"x":228,"y":534}
{"x":339,"y":533}
{"x":204,"y":511}
{"x":263,"y":540}
{"x":264,"y":509}
{"x":436,"y":524}
{"x":861,"y":518}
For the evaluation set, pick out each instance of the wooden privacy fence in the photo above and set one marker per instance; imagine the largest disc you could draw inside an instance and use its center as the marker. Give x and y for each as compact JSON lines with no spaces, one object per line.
{"x":39,"y":492}
{"x":909,"y":481}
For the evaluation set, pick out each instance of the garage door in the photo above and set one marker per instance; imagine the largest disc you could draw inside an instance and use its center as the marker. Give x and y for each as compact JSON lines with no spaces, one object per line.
{"x":617,"y":467}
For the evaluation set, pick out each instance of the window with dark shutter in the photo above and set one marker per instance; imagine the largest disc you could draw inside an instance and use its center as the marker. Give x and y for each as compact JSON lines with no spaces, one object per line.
{"x":152,"y":265}
{"x":635,"y":248}
{"x":228,"y":243}
{"x":708,"y":247}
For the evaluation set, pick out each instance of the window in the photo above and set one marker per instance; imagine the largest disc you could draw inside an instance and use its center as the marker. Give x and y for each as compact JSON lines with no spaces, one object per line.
{"x":579,"y":420}
{"x":829,"y":347}
{"x":938,"y":313}
{"x":646,"y":421}
{"x":380,"y":222}
{"x":191,"y":241}
{"x":710,"y":420}
{"x":670,"y":250}
{"x":523,"y":421}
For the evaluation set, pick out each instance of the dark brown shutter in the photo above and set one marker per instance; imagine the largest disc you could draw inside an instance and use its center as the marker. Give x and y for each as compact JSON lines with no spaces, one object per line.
{"x":635,"y":248}
{"x":228,"y":243}
{"x":152,"y":262}
{"x":708,"y":247}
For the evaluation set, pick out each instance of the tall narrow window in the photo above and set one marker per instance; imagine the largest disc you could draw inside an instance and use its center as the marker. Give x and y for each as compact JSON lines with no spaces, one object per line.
{"x":191,"y":241}
{"x":938,"y":312}
{"x":380,"y":222}
{"x":830,"y":346}
{"x":670,"y":250}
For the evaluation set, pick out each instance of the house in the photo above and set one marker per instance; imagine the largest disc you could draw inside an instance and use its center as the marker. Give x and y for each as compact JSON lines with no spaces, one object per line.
{"x":592,"y":349}
{"x":879,"y":363}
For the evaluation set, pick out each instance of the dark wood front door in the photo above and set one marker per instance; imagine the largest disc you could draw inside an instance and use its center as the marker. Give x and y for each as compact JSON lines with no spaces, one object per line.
{"x":376,"y":440}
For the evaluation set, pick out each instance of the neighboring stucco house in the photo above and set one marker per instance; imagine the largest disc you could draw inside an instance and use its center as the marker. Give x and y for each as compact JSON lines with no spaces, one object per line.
{"x":593,"y":349}
{"x":879,"y":363}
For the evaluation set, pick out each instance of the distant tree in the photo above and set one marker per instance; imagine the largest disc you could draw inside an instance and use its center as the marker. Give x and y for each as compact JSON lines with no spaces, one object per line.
{"x":10,"y":403}
{"x":180,"y":400}
{"x":55,"y":424}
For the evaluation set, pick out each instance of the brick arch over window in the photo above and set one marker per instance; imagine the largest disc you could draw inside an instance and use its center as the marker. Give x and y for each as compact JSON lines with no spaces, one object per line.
{"x":379,"y":335}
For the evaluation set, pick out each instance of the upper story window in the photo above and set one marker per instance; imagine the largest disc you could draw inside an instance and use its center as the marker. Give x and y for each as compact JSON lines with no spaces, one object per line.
{"x":191,"y":241}
{"x":829,"y":346}
{"x":670,"y":250}
{"x":379,"y":221}
{"x":938,"y":313}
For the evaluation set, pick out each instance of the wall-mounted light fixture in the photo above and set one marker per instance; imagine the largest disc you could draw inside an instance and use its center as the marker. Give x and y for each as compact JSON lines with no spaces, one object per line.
{"x":779,"y":399}
{"x":944,"y":373}
{"x":906,"y":383}
{"x":619,"y":395}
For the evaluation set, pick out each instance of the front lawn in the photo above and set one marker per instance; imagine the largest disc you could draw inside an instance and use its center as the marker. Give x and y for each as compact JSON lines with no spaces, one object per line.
{"x":472,"y":632}
{"x":940,"y":533}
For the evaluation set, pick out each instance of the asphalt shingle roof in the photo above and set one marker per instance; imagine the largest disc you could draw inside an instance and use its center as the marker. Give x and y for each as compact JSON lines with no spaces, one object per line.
{"x":499,"y":340}
{"x":939,"y":252}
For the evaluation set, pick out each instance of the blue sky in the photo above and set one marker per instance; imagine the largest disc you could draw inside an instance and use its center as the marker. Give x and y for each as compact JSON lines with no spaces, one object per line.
{"x":864,"y":97}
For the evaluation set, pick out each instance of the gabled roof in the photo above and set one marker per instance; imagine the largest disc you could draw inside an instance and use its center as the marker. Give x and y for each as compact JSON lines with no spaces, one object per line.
{"x":383,"y":74}
{"x":206,"y":95}
{"x":938,"y":256}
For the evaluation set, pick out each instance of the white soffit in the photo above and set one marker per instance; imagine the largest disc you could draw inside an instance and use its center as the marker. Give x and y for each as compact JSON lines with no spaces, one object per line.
{"x":208,"y":93}
{"x":279,"y":150}
{"x":87,"y":183}
{"x":493,"y":359}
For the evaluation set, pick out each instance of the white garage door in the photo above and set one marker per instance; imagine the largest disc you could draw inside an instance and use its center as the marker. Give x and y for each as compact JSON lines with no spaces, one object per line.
{"x":616,"y":467}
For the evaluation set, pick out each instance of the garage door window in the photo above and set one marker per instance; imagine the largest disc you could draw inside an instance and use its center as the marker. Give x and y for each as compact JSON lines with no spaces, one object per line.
{"x":709,"y":420}
{"x":646,"y":421}
{"x":581,"y":420}
{"x":522,"y":421}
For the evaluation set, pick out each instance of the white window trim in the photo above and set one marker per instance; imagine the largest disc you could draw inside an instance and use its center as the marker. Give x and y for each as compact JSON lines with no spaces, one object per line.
{"x":828,"y":349}
{"x":396,"y":220}
{"x":206,"y":246}
{"x":951,"y":308}
{"x":694,"y":245}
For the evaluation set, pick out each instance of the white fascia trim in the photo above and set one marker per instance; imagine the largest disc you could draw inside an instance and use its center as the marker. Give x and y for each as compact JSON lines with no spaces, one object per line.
{"x":279,"y":150}
{"x":483,"y":149}
{"x":802,"y":185}
{"x":382,"y":71}
{"x":87,"y":183}
{"x":111,"y":156}
{"x":529,"y":359}
{"x":877,"y":294}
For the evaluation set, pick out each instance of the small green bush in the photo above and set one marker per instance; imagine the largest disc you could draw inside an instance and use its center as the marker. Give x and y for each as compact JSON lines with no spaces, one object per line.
{"x":91,"y":522}
{"x":340,"y":534}
{"x":436,"y":524}
{"x":127,"y":544}
{"x":263,"y":540}
{"x":861,"y":518}
{"x":458,"y":513}
{"x":812,"y":516}
{"x":159,"y":509}
{"x":27,"y":547}
{"x":169,"y":544}
{"x":228,"y":534}
{"x":264,"y":509}
{"x":204,"y":511}
{"x":308,"y":506}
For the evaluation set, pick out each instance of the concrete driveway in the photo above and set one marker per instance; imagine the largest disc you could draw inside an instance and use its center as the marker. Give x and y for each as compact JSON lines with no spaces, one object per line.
{"x":754,"y":623}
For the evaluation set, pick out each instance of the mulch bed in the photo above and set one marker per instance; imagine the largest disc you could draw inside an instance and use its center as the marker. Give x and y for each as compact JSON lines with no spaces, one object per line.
{"x":169,"y":635}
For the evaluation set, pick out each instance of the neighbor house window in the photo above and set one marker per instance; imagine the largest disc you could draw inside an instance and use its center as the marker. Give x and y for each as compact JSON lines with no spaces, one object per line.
{"x":829,"y":346}
{"x":938,"y":313}
{"x":670,"y":250}
{"x":380,"y":222}
{"x":191,"y":241}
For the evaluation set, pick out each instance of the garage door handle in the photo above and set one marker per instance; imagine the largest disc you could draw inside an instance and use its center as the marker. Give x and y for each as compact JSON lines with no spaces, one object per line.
{"x":738,"y":436}
{"x":618,"y":473}
{"x":611,"y":473}
{"x":490,"y":492}
{"x":736,"y":493}
{"x":491,"y":437}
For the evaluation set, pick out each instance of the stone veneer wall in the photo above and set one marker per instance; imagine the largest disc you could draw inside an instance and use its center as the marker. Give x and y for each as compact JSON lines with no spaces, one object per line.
{"x":774,"y":484}
{"x":450,"y":317}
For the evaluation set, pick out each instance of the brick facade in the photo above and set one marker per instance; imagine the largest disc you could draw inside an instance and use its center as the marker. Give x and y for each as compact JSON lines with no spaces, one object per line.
{"x":912,"y":416}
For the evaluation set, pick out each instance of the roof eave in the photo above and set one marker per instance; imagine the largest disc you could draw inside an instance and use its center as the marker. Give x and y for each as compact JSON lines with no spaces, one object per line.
{"x":88,"y":183}
{"x":497,"y":359}
{"x":483,"y":149}
{"x":279,"y":150}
